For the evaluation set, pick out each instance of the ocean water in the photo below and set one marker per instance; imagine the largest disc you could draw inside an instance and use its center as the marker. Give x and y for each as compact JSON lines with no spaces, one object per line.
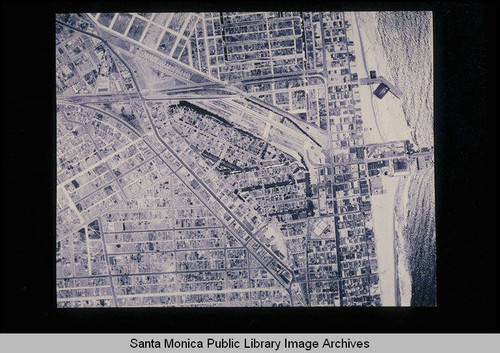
{"x":406,"y":40}
{"x":420,"y":238}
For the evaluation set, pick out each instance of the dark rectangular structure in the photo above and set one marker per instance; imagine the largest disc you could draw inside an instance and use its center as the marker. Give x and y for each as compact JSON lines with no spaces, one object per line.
{"x":381,"y":90}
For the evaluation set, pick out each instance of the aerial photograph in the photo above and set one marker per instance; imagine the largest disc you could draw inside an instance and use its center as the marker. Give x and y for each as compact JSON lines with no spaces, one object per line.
{"x":245,"y":159}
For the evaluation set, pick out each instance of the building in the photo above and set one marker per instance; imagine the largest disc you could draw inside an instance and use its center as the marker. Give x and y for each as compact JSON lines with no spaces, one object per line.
{"x":381,"y":90}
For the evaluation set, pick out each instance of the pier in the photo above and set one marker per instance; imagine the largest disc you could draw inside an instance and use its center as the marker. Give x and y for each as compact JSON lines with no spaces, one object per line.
{"x":393,"y":89}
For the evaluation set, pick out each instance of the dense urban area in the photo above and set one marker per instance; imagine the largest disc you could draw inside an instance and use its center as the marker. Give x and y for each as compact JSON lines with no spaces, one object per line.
{"x":217,"y":159}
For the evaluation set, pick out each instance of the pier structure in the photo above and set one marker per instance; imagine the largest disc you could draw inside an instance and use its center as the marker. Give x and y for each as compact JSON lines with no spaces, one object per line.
{"x":380,"y":79}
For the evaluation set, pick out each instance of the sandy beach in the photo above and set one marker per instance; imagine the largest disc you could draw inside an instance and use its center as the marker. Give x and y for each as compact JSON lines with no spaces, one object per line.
{"x":383,"y":121}
{"x":383,"y":221}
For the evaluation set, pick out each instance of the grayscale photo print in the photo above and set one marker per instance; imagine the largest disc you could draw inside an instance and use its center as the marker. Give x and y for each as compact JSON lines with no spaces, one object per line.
{"x":245,"y":159}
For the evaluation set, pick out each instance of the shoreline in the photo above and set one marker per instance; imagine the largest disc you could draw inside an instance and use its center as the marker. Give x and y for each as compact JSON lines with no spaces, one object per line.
{"x":384,"y":121}
{"x":405,"y":40}
{"x":395,"y":224}
{"x":402,"y":273}
{"x":385,"y":115}
{"x":418,"y":238}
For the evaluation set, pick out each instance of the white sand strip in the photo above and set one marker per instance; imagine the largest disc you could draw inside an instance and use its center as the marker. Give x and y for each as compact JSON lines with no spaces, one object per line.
{"x":383,"y":119}
{"x":383,"y":221}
